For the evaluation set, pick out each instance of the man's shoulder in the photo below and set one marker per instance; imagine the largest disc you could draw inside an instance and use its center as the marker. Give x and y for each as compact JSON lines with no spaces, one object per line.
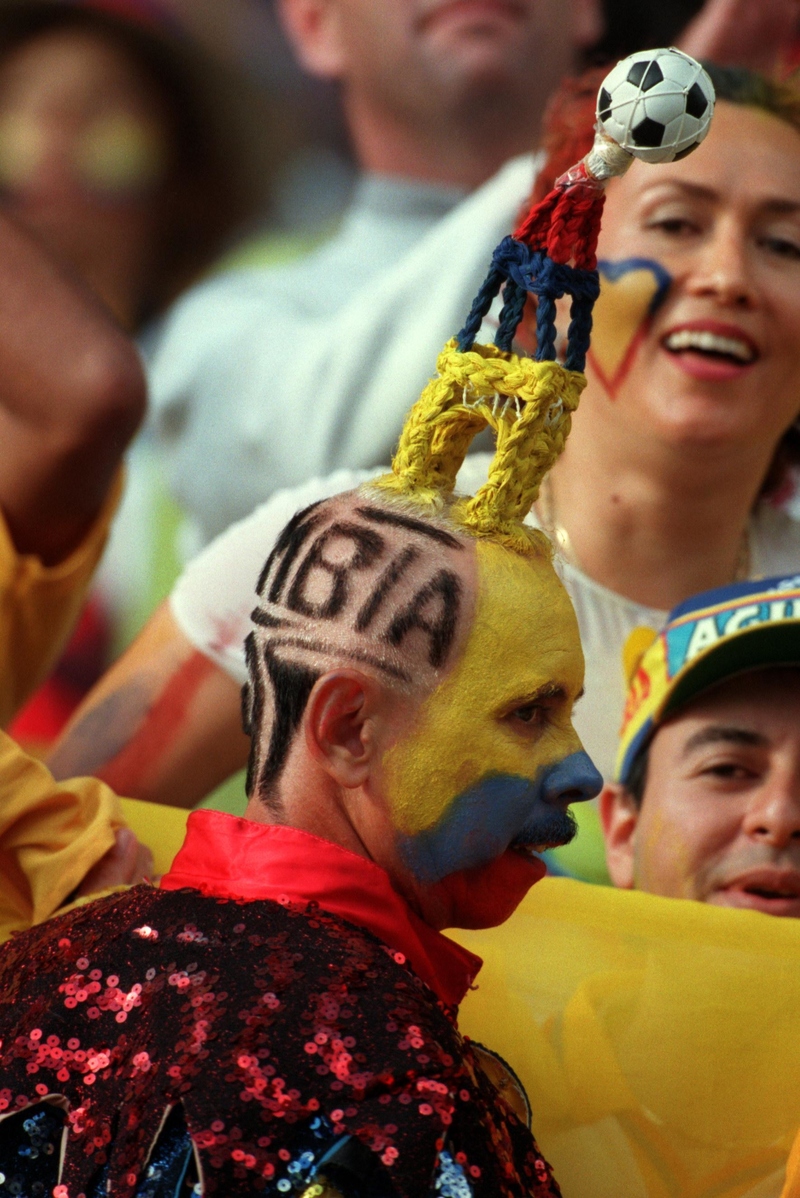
{"x":326,"y":997}
{"x":240,"y":306}
{"x":289,"y":967}
{"x":224,"y":301}
{"x":157,"y":916}
{"x":273,"y":1018}
{"x":167,"y":930}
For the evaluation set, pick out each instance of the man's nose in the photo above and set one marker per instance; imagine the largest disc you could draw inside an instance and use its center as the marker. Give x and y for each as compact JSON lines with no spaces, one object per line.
{"x":773,"y":815}
{"x":571,"y":780}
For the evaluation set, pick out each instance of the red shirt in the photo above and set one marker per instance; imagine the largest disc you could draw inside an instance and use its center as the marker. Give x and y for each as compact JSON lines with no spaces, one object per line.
{"x":237,"y":858}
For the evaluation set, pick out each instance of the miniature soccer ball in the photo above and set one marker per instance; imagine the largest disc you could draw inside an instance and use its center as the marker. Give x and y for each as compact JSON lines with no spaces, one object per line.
{"x":656,"y":104}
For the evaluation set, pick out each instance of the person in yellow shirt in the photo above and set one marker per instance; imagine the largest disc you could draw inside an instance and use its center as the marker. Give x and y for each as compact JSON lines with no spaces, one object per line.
{"x":72,"y":394}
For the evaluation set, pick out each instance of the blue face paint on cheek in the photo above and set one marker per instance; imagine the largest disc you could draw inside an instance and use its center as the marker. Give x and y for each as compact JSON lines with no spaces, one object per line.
{"x":484,"y":820}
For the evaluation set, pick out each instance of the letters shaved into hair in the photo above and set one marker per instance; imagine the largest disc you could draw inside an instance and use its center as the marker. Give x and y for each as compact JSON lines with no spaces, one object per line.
{"x":348,"y":583}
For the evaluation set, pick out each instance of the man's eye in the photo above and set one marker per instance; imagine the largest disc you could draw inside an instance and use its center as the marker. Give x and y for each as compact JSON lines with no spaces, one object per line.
{"x":530,"y":714}
{"x":729,"y":771}
{"x":783,"y":247}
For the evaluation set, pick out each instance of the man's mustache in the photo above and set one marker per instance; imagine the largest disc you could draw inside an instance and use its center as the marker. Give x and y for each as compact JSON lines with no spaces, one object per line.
{"x":548,"y":827}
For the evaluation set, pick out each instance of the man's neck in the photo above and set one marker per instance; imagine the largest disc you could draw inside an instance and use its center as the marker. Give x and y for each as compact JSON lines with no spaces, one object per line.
{"x":659,"y":525}
{"x":311,"y":802}
{"x":462,"y":151}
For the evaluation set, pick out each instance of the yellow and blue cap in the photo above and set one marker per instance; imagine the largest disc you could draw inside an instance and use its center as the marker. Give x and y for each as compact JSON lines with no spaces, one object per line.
{"x":708,"y":638}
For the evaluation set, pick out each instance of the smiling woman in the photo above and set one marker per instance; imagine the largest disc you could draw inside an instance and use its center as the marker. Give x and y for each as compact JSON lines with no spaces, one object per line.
{"x":680,"y":456}
{"x":701,"y":274}
{"x":716,"y":365}
{"x":694,"y":358}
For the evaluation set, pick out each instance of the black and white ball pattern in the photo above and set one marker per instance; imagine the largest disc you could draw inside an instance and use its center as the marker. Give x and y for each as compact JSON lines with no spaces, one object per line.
{"x":657,"y":104}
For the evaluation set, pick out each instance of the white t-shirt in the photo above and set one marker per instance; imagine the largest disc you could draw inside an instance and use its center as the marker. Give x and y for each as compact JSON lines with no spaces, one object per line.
{"x":265,"y":377}
{"x":213,"y":598}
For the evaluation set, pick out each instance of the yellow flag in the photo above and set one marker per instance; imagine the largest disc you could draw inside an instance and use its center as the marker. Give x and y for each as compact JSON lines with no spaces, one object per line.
{"x":658,"y":1040}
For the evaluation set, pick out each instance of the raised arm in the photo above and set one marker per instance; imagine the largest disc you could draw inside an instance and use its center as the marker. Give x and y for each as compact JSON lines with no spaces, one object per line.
{"x":164,"y":724}
{"x":72,"y":394}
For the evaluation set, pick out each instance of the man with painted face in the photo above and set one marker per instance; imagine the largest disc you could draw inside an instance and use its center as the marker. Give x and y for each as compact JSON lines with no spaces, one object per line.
{"x":287,"y":996}
{"x":429,"y":743}
{"x":706,"y":804}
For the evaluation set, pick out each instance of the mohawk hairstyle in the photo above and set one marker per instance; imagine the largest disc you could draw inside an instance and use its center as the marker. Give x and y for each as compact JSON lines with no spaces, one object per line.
{"x":528,"y":403}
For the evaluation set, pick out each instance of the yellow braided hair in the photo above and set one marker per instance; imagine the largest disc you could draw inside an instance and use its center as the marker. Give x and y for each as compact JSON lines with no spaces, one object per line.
{"x":529,"y":407}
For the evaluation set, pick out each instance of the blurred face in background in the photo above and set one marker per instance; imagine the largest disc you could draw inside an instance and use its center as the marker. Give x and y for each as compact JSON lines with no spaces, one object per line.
{"x":717,"y":364}
{"x":428,"y":59}
{"x":84,"y":152}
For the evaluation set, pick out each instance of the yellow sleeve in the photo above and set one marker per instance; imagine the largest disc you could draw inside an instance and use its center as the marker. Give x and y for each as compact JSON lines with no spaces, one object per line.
{"x":51,"y":834}
{"x":39,"y":606}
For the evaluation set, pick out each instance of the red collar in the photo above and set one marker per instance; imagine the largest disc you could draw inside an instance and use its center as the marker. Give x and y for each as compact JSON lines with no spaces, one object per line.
{"x":237,"y":858}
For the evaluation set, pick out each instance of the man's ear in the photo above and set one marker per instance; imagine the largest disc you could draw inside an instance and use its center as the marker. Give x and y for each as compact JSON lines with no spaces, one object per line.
{"x":314,"y":29}
{"x":339,"y":725}
{"x":619,"y":816}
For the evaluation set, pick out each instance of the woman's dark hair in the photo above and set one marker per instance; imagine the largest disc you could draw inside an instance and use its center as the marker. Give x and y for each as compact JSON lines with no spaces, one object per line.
{"x":208,"y":189}
{"x":568,"y":134}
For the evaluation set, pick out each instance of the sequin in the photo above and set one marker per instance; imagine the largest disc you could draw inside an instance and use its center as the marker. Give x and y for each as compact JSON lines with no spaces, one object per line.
{"x":451,"y":1181}
{"x":292,"y":1049}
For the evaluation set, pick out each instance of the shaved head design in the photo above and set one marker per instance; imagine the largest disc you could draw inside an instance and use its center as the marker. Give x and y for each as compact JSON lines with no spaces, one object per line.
{"x":351,"y":581}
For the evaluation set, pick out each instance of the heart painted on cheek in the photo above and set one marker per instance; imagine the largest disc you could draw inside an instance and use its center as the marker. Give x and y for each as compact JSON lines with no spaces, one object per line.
{"x":631,"y":291}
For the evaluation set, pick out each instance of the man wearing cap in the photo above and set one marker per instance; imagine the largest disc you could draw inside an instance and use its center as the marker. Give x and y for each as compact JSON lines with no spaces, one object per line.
{"x":706,"y":804}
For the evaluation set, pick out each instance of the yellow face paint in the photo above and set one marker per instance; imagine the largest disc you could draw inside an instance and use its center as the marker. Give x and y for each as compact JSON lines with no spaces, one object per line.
{"x":630,"y":292}
{"x":468,"y":768}
{"x":118,"y":155}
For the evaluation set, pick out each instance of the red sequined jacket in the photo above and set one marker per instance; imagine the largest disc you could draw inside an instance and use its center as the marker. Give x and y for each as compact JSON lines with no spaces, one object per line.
{"x":193,"y":1044}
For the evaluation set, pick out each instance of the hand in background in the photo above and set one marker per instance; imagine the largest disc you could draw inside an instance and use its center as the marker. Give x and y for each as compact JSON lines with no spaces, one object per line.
{"x":745,"y":33}
{"x":127,"y":863}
